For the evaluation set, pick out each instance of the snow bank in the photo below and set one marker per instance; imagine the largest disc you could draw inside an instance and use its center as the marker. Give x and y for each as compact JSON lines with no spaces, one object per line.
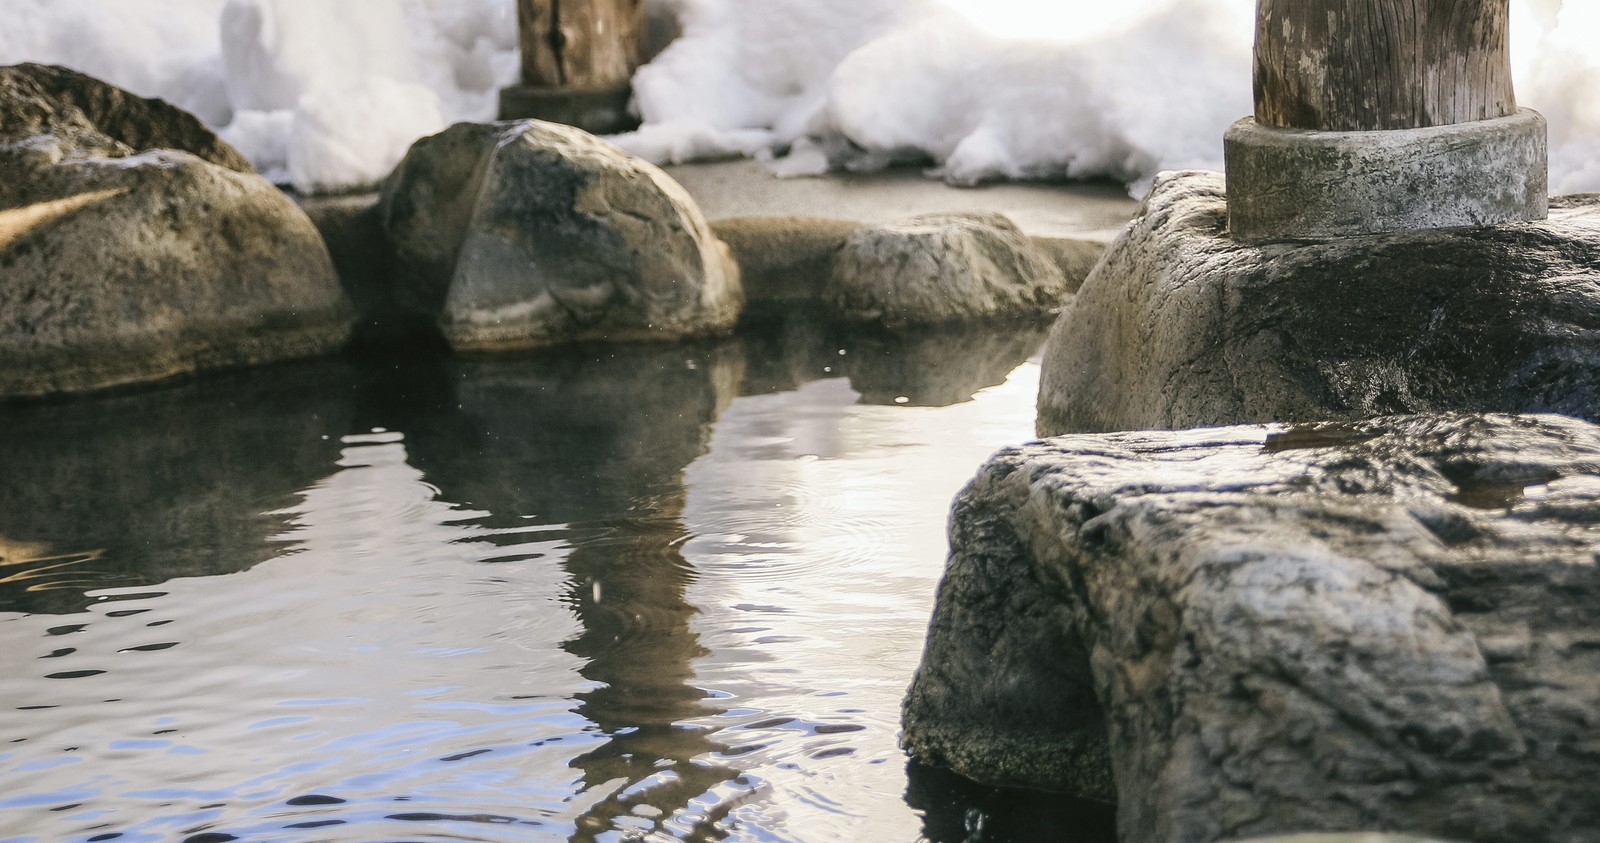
{"x":1151,"y":89}
{"x":1024,"y":88}
{"x":1558,"y":73}
{"x":987,"y":88}
{"x":172,"y":51}
{"x":328,"y":94}
{"x":324,"y":95}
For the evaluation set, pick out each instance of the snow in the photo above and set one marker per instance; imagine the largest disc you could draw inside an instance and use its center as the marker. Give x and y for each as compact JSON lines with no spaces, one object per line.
{"x":327,"y":95}
{"x":324,"y":95}
{"x":1027,"y":88}
{"x":1076,"y":106}
{"x":1558,"y":73}
{"x":334,"y":143}
{"x":316,"y":105}
{"x":175,"y":54}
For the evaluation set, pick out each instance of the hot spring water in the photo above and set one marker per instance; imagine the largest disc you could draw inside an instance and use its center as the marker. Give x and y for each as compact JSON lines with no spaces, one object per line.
{"x":612,"y":594}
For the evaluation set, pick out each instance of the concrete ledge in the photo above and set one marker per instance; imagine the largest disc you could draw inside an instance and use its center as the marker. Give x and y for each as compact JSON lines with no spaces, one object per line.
{"x":600,"y":111}
{"x":1291,"y":184}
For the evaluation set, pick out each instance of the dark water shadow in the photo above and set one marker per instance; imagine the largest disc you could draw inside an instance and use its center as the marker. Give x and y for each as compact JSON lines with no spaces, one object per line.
{"x":959,"y":810}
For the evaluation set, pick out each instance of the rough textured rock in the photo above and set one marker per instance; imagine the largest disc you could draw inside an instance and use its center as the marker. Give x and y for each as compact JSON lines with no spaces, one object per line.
{"x":120,"y":266}
{"x":1382,"y":624}
{"x":1179,"y":326}
{"x":784,"y":262}
{"x":788,"y":261}
{"x":942,"y":268}
{"x":100,"y":119}
{"x":527,"y":234}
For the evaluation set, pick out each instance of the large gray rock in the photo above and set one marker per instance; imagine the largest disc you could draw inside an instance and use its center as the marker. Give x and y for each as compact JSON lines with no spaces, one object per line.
{"x":96,"y":118}
{"x":526,"y":234}
{"x":1179,"y":326}
{"x":121,"y":266}
{"x":789,"y":262}
{"x":1263,"y":630}
{"x":942,"y":268}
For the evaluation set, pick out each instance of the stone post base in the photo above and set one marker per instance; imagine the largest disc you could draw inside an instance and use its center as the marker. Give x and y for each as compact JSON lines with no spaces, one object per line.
{"x":600,"y":111}
{"x":1293,"y":184}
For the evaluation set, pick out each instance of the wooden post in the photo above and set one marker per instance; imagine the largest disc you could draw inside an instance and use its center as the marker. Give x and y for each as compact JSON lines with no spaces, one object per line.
{"x":1380,"y":116}
{"x":1364,"y":65}
{"x":580,"y":43}
{"x":577,"y":59}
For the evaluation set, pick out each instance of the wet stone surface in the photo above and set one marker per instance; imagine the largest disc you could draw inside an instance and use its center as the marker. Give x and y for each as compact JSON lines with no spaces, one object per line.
{"x":1180,"y":326}
{"x":1270,"y":630}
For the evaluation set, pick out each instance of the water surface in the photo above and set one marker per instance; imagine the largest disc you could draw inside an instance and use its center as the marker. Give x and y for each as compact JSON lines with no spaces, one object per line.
{"x":637,"y":593}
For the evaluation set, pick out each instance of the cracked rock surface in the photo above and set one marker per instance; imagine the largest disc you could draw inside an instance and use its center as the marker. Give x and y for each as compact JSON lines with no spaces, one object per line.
{"x":527,"y":234}
{"x":1240,"y":632}
{"x":135,"y":245}
{"x":941,"y":268}
{"x":1179,"y":326}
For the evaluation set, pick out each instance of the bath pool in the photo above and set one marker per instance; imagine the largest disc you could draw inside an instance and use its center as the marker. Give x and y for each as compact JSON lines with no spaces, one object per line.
{"x":622,"y":593}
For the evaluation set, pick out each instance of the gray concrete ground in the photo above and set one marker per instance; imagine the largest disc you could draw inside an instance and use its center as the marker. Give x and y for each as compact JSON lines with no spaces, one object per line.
{"x":743,"y":188}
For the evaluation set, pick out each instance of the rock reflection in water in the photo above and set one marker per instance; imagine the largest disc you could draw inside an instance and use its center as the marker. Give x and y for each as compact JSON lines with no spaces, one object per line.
{"x":597,"y":439}
{"x":142,"y":486}
{"x":939,"y":366}
{"x":932,"y":367}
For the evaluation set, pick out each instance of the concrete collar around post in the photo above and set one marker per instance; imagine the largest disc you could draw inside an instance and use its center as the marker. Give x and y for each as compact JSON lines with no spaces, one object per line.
{"x":1382,"y":116}
{"x":1295,"y":184}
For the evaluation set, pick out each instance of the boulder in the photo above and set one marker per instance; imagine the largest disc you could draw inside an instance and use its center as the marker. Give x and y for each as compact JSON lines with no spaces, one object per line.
{"x":96,"y":118}
{"x":787,"y":262}
{"x":1268,"y":630}
{"x":941,"y":268}
{"x":527,"y":234}
{"x":1180,"y":326}
{"x":126,"y":257}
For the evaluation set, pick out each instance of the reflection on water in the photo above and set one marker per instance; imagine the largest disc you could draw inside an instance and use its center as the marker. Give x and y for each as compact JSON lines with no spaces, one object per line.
{"x":609,"y":594}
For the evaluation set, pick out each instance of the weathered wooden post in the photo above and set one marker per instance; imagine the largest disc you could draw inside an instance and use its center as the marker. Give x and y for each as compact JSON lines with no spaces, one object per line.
{"x":1376,"y":116}
{"x":577,"y":59}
